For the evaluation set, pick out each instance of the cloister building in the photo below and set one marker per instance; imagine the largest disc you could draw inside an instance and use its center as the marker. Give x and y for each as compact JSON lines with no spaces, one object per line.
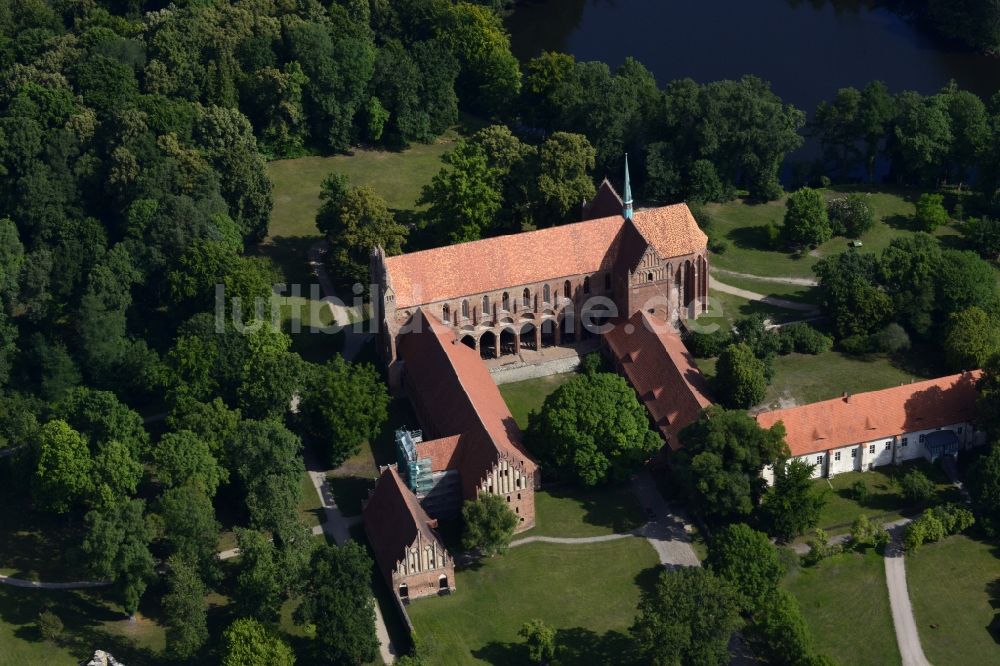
{"x":542,"y":288}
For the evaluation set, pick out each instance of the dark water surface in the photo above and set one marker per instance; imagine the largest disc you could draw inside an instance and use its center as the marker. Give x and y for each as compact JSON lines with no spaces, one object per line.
{"x":807,"y":50}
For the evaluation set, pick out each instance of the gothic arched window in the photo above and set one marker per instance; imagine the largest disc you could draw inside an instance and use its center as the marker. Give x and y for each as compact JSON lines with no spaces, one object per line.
{"x":567,"y":289}
{"x":486,"y":305}
{"x":546,"y":294}
{"x":446,"y":312}
{"x":465,"y":308}
{"x":526,"y":297}
{"x":586,"y":285}
{"x":505,"y":301}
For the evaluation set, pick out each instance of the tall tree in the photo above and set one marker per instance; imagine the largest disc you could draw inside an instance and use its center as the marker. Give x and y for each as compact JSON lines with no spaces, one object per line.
{"x":791,"y":506}
{"x":247,"y":642}
{"x":488,"y":524}
{"x":182,"y":457}
{"x":264,"y":456}
{"x":343,"y":405}
{"x":593,"y":430}
{"x":741,"y":377}
{"x":806,"y":222}
{"x":117,"y":549}
{"x":565,"y":163}
{"x":191,"y":530}
{"x":687,"y":617}
{"x":973,"y":338}
{"x":749,"y":561}
{"x":720,"y":462}
{"x":355,"y":220}
{"x":62,"y":477}
{"x":184,"y":610}
{"x":464,"y":197}
{"x":339,"y":604}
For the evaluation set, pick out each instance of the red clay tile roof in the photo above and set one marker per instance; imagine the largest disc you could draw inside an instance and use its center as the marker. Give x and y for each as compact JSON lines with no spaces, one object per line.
{"x":662,"y":372}
{"x":865,"y":417}
{"x":506,"y":262}
{"x":393,"y":517}
{"x":443,"y":452}
{"x":457,"y":397}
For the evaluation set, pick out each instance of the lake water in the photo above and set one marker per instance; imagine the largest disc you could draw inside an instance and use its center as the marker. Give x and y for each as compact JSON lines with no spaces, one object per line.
{"x":807,"y":50}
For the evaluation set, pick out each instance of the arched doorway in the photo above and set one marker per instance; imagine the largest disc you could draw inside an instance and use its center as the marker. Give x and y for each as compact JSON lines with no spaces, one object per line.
{"x":527,"y":337}
{"x":404,"y":591}
{"x":469,"y":341}
{"x":442,"y":582}
{"x":508,"y":342}
{"x":488,"y":345}
{"x":548,"y":333}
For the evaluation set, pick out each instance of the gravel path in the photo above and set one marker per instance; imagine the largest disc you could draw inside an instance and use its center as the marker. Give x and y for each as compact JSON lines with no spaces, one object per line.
{"x":907,"y":636}
{"x":75,"y":585}
{"x":802,"y":282}
{"x":337,"y":528}
{"x":786,"y":304}
{"x":590,"y":539}
{"x":667,"y":533}
{"x":353,"y":340}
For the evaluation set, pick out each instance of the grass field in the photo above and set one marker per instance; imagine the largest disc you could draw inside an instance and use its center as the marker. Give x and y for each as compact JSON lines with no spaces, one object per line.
{"x":743,"y":226}
{"x":397,"y":176}
{"x":846,"y":605}
{"x":789,"y":292}
{"x":955,"y":591}
{"x":803,"y":378}
{"x":884,"y":500}
{"x":90,"y":622}
{"x":573,"y":512}
{"x":524,"y":397}
{"x":587,"y":592}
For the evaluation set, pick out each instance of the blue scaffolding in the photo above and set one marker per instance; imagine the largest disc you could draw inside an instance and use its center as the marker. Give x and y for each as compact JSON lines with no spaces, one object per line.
{"x":419,"y":477}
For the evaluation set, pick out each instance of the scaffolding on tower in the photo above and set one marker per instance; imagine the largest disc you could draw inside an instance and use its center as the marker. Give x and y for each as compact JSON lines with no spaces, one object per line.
{"x":419,"y":477}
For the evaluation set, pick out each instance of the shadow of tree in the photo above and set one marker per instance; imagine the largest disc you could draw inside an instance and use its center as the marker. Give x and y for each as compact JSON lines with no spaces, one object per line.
{"x":613,"y":507}
{"x":573,"y":646}
{"x":993,"y":589}
{"x":349,"y":492}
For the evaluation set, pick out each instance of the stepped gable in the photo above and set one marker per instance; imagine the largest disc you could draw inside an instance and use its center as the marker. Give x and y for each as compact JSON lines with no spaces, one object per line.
{"x":456,"y":397}
{"x":393,"y":518}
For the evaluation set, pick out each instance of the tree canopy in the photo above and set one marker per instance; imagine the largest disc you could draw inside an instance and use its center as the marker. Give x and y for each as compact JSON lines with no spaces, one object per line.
{"x":592,"y":429}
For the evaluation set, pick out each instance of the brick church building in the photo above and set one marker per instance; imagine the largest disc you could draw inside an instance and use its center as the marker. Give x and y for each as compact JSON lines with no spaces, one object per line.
{"x":542,"y":288}
{"x":446,"y":310}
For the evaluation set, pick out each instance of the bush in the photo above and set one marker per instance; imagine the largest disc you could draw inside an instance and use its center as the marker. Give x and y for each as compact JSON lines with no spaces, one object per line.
{"x":851,"y":216}
{"x":930,"y":212}
{"x":937,"y":523}
{"x":806,"y":222}
{"x":708,"y":345}
{"x":740,"y":377}
{"x":804,"y":339}
{"x":718,"y":246}
{"x":859,"y":491}
{"x":819,"y":549}
{"x":891,"y":339}
{"x":772,"y":233}
{"x":916,"y":487}
{"x":857,"y":345}
{"x":865,"y":533}
{"x":49,"y":625}
{"x":591,"y":364}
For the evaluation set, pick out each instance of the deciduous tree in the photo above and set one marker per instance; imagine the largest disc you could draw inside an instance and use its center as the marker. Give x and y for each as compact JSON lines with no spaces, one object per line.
{"x":489,"y":524}
{"x":62,"y":477}
{"x":741,"y":377}
{"x":687,"y":617}
{"x":117,"y":549}
{"x":185,"y":610}
{"x":339,"y":604}
{"x":806,"y":222}
{"x":592,"y":429}
{"x":791,"y":506}
{"x":749,"y":561}
{"x":247,"y":642}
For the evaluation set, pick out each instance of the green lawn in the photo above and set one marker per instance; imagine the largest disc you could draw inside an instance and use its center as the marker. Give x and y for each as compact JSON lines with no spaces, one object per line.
{"x":90,"y":622}
{"x":789,"y":292}
{"x":884,"y":500}
{"x":742,"y":225}
{"x":954,"y":587}
{"x":587,"y":592}
{"x":527,"y":396}
{"x":573,"y":512}
{"x":846,"y":605}
{"x":397,"y":176}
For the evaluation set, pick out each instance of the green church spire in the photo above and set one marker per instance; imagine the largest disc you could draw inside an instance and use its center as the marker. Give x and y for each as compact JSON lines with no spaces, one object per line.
{"x":627,"y":212}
